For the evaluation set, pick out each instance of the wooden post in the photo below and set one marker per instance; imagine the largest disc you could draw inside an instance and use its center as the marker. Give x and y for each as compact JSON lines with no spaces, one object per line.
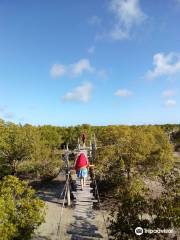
{"x":67,"y":177}
{"x":93,"y":153}
{"x":90,"y":151}
{"x":94,"y":146}
{"x":79,"y":145}
{"x":67,"y":147}
{"x":68,"y":194}
{"x":95,"y":141}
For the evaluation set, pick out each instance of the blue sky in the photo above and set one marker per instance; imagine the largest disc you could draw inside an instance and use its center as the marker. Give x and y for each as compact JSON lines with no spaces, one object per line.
{"x":102,"y":62}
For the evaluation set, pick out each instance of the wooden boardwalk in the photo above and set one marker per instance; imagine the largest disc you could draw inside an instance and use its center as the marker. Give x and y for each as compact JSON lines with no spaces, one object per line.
{"x":84,"y":226}
{"x":79,"y":222}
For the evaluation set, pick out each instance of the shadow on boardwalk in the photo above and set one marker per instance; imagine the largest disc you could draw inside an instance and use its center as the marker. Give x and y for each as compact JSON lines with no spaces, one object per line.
{"x":84,"y":225}
{"x":79,"y":222}
{"x":83,"y":229}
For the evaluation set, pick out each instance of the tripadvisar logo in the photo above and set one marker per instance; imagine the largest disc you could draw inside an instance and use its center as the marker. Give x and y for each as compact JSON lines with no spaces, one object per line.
{"x":139,"y":231}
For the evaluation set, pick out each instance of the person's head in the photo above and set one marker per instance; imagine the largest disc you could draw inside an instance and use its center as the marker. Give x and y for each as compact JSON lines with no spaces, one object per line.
{"x":83,"y":152}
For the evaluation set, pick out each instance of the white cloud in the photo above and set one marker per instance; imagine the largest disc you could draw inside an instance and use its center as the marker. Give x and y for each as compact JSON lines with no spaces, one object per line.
{"x":164,"y":65}
{"x":75,"y":69}
{"x":95,"y":20}
{"x":81,"y":66}
{"x":123,"y":93}
{"x":169,"y":93}
{"x":57,"y":70}
{"x":91,"y":50}
{"x":81,"y":93}
{"x":127,"y":13}
{"x":170,"y":103}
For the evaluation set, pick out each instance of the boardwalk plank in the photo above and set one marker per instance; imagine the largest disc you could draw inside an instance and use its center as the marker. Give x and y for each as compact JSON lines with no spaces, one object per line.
{"x":83,"y":226}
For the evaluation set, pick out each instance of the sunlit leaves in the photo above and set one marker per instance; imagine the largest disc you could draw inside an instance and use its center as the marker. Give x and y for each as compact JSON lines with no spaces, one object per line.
{"x":20,"y":211}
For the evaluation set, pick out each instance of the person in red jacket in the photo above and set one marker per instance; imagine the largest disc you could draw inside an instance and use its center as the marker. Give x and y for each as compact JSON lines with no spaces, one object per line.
{"x":81,"y":165}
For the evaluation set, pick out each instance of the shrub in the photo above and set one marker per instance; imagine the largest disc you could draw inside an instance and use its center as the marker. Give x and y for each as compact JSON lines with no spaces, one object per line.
{"x":21,"y":212}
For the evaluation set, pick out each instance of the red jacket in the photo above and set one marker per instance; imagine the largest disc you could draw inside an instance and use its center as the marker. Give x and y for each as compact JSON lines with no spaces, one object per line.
{"x":81,"y":161}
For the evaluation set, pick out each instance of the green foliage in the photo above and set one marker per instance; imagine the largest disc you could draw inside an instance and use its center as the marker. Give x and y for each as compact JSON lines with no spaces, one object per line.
{"x":28,"y":150}
{"x":20,"y":210}
{"x":15,"y":146}
{"x":70,"y":135}
{"x":50,"y":136}
{"x":137,"y":209}
{"x":49,"y":166}
{"x":128,"y":156}
{"x":128,"y":217}
{"x":161,"y":159}
{"x":142,"y":150}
